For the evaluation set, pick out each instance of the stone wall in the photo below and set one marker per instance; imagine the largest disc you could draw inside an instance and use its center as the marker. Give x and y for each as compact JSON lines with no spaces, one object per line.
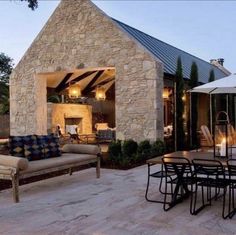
{"x":58,"y":112}
{"x":78,"y":32}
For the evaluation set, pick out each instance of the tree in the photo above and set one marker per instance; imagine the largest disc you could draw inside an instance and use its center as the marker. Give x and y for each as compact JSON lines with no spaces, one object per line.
{"x":211,"y":76}
{"x":213,"y":105}
{"x":32,"y":4}
{"x":4,"y":98}
{"x":6,"y":67}
{"x":179,"y":127}
{"x":194,"y":105}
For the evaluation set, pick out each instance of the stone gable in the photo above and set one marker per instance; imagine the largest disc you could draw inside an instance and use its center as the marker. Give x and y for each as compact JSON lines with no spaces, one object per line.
{"x":79,"y":32}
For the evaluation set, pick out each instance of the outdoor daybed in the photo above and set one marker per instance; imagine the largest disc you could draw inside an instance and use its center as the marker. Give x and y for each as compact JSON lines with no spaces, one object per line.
{"x":73,"y":155}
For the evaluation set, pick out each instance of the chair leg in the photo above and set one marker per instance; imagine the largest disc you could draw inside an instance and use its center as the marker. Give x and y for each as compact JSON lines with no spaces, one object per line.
{"x":223,"y":209}
{"x":98,"y":167}
{"x":70,"y":171}
{"x":15,"y":187}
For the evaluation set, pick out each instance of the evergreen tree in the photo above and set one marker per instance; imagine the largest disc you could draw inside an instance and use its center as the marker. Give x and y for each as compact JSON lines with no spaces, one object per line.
{"x":180,"y":134}
{"x":212,"y":76}
{"x":211,"y":79}
{"x":194,"y":105}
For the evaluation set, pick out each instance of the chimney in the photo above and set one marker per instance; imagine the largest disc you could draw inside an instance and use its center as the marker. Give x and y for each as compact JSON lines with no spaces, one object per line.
{"x":217,"y":61}
{"x":221,"y":61}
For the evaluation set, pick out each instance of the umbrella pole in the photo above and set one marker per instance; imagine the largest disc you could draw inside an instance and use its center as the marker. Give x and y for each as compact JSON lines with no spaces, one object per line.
{"x":190,"y":119}
{"x":175,"y":118}
{"x":211,"y":113}
{"x":227,"y":104}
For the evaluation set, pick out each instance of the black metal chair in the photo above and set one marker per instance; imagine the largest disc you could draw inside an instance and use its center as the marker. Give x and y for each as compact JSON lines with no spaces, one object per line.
{"x":231,"y":166}
{"x":209,"y":174}
{"x":161,"y":174}
{"x":181,"y":167}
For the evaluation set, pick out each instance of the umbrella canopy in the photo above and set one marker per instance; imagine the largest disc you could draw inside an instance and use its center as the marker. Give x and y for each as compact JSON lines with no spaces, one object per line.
{"x":226,"y":85}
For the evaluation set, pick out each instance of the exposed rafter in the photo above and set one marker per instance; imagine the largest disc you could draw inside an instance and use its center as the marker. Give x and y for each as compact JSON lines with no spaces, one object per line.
{"x":100,"y":84}
{"x":91,"y":83}
{"x":65,"y":84}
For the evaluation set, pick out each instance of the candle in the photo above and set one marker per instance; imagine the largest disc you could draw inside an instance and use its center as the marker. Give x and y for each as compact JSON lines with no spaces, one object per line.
{"x":223,"y":147}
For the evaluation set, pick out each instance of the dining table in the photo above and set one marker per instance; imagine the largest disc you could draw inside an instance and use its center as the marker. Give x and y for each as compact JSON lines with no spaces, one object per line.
{"x":180,"y":184}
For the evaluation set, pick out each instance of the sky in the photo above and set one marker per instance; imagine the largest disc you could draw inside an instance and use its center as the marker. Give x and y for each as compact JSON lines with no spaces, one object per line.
{"x":205,"y":29}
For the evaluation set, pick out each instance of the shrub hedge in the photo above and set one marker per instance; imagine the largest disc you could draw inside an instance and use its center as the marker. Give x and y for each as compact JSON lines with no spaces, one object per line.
{"x":129,"y":153}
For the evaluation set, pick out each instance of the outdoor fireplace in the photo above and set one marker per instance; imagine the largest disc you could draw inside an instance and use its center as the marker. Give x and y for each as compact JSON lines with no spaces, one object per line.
{"x":70,"y":115}
{"x":73,"y":122}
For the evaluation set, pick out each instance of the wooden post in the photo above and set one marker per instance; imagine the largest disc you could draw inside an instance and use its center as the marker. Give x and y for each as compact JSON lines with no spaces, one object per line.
{"x":70,"y":171}
{"x":175,"y":130}
{"x":15,"y":187}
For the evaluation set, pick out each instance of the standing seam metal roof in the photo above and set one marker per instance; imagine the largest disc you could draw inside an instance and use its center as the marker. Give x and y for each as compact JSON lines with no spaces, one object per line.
{"x":169,"y":54}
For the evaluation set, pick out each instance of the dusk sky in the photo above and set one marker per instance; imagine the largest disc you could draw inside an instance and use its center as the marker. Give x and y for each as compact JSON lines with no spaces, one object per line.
{"x":205,"y":29}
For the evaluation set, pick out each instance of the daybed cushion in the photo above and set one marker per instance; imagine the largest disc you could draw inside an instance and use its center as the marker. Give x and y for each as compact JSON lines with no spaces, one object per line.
{"x":81,"y":148}
{"x":66,"y":158}
{"x":15,"y":162}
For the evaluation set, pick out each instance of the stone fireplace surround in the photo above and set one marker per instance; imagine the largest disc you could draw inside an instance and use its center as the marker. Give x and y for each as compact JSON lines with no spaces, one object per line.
{"x":69,"y":114}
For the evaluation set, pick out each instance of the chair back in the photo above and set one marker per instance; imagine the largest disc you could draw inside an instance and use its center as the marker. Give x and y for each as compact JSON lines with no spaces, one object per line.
{"x":231,"y":165}
{"x":207,"y":135}
{"x":208,"y":168}
{"x":177,"y":164}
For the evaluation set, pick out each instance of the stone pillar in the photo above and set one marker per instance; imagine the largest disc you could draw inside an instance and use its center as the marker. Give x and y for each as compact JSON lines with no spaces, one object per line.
{"x":139,"y":103}
{"x":28,"y":110}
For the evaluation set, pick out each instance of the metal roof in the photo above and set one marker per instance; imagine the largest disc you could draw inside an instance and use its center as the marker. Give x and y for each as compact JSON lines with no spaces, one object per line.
{"x":169,"y":54}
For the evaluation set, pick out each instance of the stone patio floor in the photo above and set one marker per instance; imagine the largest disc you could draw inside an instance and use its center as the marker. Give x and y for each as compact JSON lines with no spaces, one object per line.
{"x":113,"y":204}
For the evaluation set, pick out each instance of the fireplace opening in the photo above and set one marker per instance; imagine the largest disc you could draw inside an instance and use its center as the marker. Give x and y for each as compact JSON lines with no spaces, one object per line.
{"x":73,"y":125}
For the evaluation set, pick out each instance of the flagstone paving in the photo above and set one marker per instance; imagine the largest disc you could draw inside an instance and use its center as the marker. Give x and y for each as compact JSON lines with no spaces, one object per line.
{"x":112,"y":205}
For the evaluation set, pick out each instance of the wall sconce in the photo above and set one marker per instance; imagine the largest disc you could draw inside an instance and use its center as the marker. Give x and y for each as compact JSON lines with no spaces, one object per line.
{"x":74,"y":91}
{"x":100,"y":93}
{"x":165,"y":94}
{"x":184,"y":97}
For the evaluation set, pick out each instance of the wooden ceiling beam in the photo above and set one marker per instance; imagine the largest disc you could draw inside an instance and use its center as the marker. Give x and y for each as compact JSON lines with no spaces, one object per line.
{"x":61,"y":85}
{"x":91,"y":83}
{"x":100,"y":84}
{"x":64,"y":84}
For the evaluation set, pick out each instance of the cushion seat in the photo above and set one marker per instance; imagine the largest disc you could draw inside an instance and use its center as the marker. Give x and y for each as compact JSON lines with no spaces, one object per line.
{"x":64,"y":159}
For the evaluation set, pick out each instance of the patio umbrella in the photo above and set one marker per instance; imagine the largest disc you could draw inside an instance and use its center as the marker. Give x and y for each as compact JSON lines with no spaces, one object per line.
{"x":226,"y":85}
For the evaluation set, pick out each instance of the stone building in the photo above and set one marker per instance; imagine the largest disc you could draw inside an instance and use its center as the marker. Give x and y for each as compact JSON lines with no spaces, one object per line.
{"x":82,"y":44}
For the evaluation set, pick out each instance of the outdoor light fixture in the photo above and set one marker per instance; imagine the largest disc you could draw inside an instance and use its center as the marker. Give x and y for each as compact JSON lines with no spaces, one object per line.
{"x":221,"y":135}
{"x":165,"y":94}
{"x":74,"y":91}
{"x":100,"y":93}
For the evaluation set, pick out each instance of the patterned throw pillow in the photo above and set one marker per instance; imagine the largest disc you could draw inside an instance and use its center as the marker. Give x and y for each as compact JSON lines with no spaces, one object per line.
{"x":50,"y":144}
{"x":33,"y":151}
{"x":17,"y":143}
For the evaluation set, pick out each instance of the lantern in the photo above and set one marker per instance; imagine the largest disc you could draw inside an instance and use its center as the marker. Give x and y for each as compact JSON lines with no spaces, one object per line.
{"x":74,"y":91}
{"x":100,"y":93}
{"x":221,"y":136}
{"x":165,"y":94}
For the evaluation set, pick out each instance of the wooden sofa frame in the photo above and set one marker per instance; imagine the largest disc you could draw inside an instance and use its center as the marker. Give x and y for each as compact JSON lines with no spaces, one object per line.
{"x":14,"y":175}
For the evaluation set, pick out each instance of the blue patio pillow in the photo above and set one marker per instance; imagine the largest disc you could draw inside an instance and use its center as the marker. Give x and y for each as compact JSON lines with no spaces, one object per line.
{"x":33,"y":151}
{"x":16,"y":144}
{"x":50,"y":145}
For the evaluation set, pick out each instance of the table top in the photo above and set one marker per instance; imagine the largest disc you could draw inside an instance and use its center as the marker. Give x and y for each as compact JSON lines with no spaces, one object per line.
{"x":189,"y":155}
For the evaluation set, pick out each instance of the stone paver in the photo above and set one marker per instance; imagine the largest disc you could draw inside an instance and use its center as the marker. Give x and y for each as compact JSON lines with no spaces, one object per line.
{"x":113,"y":204}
